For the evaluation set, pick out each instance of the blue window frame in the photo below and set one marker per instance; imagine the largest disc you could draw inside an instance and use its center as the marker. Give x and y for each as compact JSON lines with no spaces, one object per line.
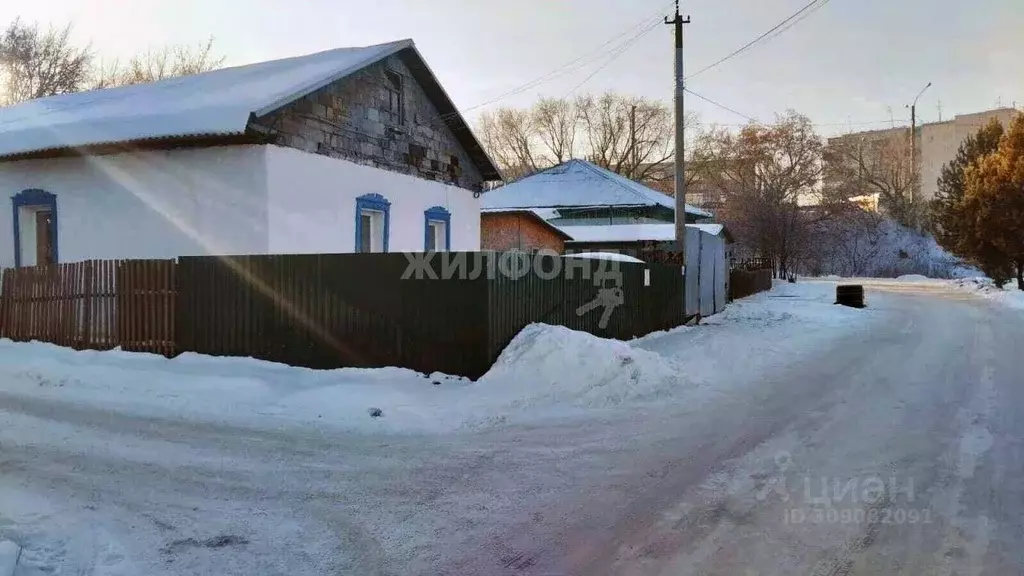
{"x":36,"y":199}
{"x":433,"y":218}
{"x":373,"y":223}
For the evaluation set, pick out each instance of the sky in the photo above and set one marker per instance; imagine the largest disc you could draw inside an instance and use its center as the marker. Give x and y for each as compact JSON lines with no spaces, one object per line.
{"x":850,"y":65}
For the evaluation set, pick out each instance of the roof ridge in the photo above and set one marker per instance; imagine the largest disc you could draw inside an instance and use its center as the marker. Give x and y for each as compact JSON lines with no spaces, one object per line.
{"x":381,"y":51}
{"x":405,"y":42}
{"x":629,"y":184}
{"x":606,"y":174}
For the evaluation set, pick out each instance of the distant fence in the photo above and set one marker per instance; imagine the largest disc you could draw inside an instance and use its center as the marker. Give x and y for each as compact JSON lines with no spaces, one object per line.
{"x":96,"y":304}
{"x":448,"y":312}
{"x":751,"y":264}
{"x":743,"y":283}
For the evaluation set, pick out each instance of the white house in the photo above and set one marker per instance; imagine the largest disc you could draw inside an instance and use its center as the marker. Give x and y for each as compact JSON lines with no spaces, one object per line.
{"x":355,"y":149}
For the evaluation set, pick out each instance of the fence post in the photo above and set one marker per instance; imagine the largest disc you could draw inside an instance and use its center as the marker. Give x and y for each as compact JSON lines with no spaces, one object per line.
{"x":4,"y":297}
{"x":87,"y":313}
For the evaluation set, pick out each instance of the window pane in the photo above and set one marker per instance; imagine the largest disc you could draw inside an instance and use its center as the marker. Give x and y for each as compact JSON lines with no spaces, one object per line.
{"x":365,"y":232}
{"x":438,"y":236}
{"x":44,"y":251}
{"x":431,"y":237}
{"x":377,"y":235}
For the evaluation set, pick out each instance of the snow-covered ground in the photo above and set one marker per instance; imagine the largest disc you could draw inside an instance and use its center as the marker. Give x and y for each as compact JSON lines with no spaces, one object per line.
{"x":120,"y":463}
{"x":1008,"y":295}
{"x":546,"y":371}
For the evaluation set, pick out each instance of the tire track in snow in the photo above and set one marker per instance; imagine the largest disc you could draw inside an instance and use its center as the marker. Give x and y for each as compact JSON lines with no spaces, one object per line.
{"x":967,"y":538}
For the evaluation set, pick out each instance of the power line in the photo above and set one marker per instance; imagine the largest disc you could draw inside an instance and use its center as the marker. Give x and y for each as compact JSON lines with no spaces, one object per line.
{"x":773,"y":29}
{"x":572,"y":66}
{"x":820,"y":124}
{"x":742,"y":115}
{"x":722,"y":106}
{"x":569,"y":67}
{"x":797,"y":21}
{"x":622,"y":50}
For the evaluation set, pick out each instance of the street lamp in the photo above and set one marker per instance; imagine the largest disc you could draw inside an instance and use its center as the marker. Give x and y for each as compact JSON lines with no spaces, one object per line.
{"x":913,"y":144}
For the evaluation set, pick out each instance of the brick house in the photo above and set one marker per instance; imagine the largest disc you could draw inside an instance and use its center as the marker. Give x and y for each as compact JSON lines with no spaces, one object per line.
{"x":348,"y":150}
{"x":525,"y":230}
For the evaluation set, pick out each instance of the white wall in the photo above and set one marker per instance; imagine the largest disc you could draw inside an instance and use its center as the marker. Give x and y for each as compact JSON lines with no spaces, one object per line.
{"x":154,"y":204}
{"x":313,"y":202}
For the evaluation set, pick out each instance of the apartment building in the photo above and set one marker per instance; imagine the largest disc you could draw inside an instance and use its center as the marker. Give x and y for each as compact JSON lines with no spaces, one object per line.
{"x":936,"y":142}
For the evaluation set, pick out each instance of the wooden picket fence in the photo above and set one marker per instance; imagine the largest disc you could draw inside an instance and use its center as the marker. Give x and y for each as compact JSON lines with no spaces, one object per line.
{"x":95,"y":304}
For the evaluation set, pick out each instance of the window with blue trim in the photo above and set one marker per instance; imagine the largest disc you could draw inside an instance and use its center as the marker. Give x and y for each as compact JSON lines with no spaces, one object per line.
{"x":437,"y":228}
{"x":35,"y":227}
{"x":373,"y":222}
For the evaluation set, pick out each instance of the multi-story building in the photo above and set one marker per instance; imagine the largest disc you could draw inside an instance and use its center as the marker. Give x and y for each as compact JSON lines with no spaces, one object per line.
{"x":936,"y":143}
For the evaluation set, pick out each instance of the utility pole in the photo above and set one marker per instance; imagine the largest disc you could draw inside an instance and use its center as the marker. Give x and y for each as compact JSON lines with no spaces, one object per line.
{"x":680,"y":167}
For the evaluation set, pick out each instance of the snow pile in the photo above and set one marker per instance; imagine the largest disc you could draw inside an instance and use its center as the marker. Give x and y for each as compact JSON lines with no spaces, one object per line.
{"x":240,"y":391}
{"x":976,"y":283}
{"x":912,"y":278}
{"x":545,"y":372}
{"x":1009,"y":295}
{"x":549,"y":365}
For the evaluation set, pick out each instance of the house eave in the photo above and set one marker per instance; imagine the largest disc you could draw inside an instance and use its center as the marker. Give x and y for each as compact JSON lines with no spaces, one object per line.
{"x":161,"y":143}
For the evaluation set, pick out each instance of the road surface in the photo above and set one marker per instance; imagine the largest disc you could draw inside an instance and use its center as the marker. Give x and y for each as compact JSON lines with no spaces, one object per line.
{"x":893,"y":450}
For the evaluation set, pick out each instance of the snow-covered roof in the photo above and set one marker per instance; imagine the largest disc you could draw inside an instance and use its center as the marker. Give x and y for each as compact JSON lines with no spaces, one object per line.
{"x":216,"y":103}
{"x":709,"y":227}
{"x":528,"y":213}
{"x":543,"y":213}
{"x":633,"y":232}
{"x":605,"y":256}
{"x":578,"y":184}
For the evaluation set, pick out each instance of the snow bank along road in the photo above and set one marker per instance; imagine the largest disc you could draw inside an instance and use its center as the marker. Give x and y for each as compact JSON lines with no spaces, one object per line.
{"x":788,"y":436}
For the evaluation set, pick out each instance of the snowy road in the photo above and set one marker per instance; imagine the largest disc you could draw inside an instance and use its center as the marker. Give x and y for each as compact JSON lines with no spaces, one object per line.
{"x":892,"y":443}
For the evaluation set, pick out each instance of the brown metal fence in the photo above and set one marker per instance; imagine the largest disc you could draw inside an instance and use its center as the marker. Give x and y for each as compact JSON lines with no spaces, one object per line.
{"x":455,"y":316}
{"x":96,"y":304}
{"x":330,"y":311}
{"x":743,"y":283}
{"x":333,"y":310}
{"x":652,"y":298}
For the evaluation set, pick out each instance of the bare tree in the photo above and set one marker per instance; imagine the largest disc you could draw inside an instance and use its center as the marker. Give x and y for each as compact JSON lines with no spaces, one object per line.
{"x":852,"y":244}
{"x":556,"y":123}
{"x":769,"y":176}
{"x":881,"y":167}
{"x":36,"y":63}
{"x":631,"y":136}
{"x":159,"y":64}
{"x":509,"y":135}
{"x":628,"y":135}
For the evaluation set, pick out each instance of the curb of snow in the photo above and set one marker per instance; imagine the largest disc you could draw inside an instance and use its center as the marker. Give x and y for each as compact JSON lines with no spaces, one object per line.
{"x":9,"y":552}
